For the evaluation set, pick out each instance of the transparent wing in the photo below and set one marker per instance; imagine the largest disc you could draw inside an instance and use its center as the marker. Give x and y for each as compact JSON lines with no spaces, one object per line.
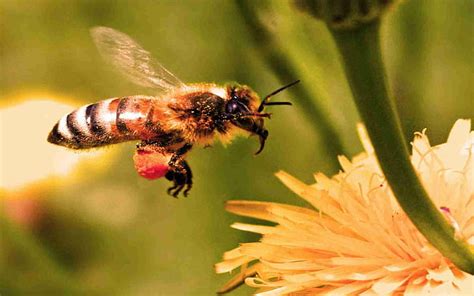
{"x":132,"y":60}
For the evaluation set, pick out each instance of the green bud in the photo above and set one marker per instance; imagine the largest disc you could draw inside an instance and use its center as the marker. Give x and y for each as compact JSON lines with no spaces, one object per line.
{"x":345,"y":14}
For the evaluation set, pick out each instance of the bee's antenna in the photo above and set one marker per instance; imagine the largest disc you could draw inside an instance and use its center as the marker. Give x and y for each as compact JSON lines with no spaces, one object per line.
{"x":265,"y":100}
{"x":268,"y":115}
{"x":278,"y":103}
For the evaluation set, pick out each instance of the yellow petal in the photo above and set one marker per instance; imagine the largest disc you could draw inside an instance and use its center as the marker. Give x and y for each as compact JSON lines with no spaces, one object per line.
{"x":364,"y":138}
{"x":459,"y":133}
{"x":253,"y":228}
{"x":389,"y":284}
{"x":231,"y":264}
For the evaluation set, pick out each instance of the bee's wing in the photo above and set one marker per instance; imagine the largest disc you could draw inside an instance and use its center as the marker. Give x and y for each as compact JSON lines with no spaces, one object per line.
{"x":132,"y":60}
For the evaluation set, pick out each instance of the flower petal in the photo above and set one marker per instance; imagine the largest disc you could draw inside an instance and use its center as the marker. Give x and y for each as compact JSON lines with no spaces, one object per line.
{"x":358,"y":240}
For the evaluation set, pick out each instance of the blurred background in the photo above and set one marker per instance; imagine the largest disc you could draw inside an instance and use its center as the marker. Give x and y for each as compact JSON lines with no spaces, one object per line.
{"x":86,"y":223}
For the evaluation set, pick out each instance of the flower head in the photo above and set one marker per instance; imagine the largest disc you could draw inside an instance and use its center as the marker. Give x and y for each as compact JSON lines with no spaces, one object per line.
{"x":357,"y":239}
{"x":345,"y":14}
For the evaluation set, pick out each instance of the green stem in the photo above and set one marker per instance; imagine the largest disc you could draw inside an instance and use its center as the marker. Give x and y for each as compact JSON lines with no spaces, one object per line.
{"x":286,"y":71}
{"x":362,"y":61}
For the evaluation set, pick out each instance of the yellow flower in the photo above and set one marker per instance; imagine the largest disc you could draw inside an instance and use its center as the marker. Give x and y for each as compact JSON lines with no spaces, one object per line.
{"x":357,"y":239}
{"x":29,"y":164}
{"x":25,"y":155}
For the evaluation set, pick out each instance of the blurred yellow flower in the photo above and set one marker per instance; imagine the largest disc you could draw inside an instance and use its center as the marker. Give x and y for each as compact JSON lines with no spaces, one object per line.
{"x":25,"y":155}
{"x":358,"y":240}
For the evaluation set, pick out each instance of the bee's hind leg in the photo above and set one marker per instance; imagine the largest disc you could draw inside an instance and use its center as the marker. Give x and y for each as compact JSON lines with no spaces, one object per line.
{"x":189,"y":178}
{"x":181,"y":179}
{"x":178,"y":180}
{"x":176,"y":161}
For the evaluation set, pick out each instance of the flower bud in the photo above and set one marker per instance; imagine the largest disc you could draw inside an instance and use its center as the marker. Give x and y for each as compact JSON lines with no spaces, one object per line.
{"x":345,"y":14}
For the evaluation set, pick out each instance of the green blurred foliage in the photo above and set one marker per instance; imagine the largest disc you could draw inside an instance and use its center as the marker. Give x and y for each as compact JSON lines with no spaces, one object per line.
{"x":117,"y":233}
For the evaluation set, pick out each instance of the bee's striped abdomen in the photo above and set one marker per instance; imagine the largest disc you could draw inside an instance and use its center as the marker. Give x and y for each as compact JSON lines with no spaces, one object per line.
{"x":107,"y":122}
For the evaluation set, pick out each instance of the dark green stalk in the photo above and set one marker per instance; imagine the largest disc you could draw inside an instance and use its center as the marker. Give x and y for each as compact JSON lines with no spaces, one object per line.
{"x":362,"y":61}
{"x":286,"y":71}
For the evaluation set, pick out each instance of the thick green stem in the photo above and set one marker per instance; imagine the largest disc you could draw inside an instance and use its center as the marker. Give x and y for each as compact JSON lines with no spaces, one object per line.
{"x":362,"y":61}
{"x":286,"y":71}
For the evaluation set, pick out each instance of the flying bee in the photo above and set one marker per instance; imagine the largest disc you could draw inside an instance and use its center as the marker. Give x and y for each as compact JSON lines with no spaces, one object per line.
{"x":169,"y":124}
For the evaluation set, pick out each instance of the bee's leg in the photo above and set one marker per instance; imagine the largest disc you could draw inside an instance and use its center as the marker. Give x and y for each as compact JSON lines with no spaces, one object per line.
{"x":180,"y":180}
{"x":147,"y":145}
{"x":189,"y":178}
{"x":176,"y":161}
{"x":150,"y":147}
{"x":179,"y":172}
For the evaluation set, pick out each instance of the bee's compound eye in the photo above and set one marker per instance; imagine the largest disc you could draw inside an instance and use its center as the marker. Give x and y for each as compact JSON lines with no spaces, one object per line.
{"x":232,"y":107}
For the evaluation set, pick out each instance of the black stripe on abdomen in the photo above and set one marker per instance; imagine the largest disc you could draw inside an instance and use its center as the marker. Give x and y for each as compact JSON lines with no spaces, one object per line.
{"x":93,"y":120}
{"x":55,"y":136}
{"x":120,"y":121}
{"x":72,"y":124}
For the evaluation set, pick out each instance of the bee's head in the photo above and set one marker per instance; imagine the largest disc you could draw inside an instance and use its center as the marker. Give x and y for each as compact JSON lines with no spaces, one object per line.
{"x":244,"y":110}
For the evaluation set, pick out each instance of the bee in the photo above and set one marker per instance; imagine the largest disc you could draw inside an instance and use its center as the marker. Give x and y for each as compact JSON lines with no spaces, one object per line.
{"x":167,"y":125}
